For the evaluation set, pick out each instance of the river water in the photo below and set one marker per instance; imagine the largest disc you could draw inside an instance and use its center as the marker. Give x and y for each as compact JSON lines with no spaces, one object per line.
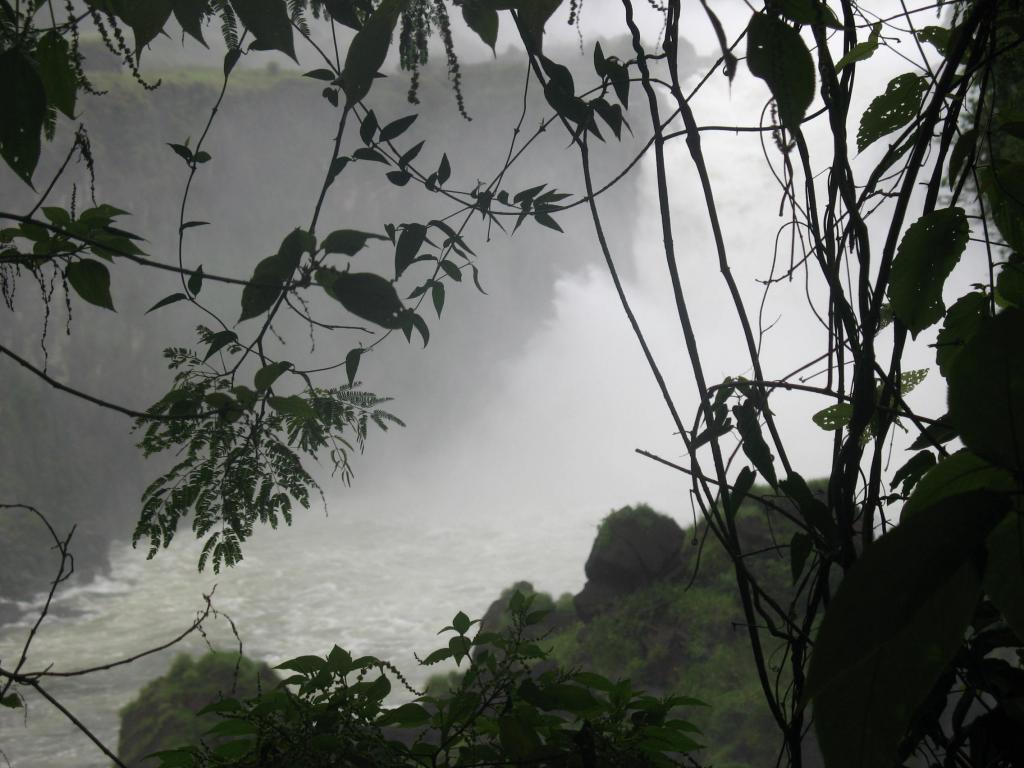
{"x":371,"y":586}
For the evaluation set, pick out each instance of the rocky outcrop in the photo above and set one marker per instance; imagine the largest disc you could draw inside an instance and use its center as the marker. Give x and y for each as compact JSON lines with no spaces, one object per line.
{"x":164,"y":714}
{"x":635,"y":547}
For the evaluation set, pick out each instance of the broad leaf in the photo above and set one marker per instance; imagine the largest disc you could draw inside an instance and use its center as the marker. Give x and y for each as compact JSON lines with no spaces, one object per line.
{"x":23,"y":103}
{"x":189,"y":14}
{"x":483,"y":20}
{"x":893,"y":109}
{"x":53,"y":57}
{"x":1004,"y":570}
{"x":368,"y":49}
{"x":961,"y":322}
{"x":348,"y":241}
{"x":809,"y":12}
{"x":365,"y":295}
{"x":91,"y":281}
{"x":778,"y":55}
{"x":961,"y":473}
{"x":269,"y":23}
{"x":754,"y":445}
{"x":408,"y":246}
{"x":894,"y":624}
{"x":268,"y":279}
{"x":147,"y":19}
{"x":929,"y":250}
{"x":986,"y":390}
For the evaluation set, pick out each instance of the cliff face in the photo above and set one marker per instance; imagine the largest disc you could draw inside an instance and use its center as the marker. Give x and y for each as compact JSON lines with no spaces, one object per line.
{"x":269,"y":144}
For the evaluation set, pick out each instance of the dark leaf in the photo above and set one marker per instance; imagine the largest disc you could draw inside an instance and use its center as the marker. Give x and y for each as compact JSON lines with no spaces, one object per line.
{"x":53,"y":57}
{"x":181,"y":151}
{"x":986,"y":389}
{"x":861,"y":51}
{"x":739,"y":492}
{"x":895,"y":622}
{"x":545,"y":219}
{"x":396,"y":128}
{"x":1004,"y":573}
{"x":778,"y":55}
{"x":268,"y":374}
{"x":398,"y":178}
{"x":452,"y":271}
{"x":11,"y":700}
{"x":294,"y":406}
{"x":482,"y":19}
{"x":368,"y":128}
{"x":910,"y":473}
{"x":174,"y":297}
{"x":809,"y":12}
{"x":812,"y":509}
{"x":444,"y":170}
{"x":320,"y":74}
{"x":893,"y":109}
{"x":437,"y":296}
{"x":202,"y":157}
{"x":533,"y":15}
{"x":961,"y":473}
{"x":799,"y":550}
{"x":147,"y":19}
{"x":195,"y":281}
{"x":91,"y":281}
{"x":368,"y":49}
{"x":754,"y":446}
{"x":190,"y":224}
{"x":230,"y":59}
{"x":269,"y":22}
{"x":269,"y":277}
{"x":348,"y":241}
{"x":409,"y":715}
{"x":929,"y":250}
{"x":410,"y":155}
{"x":366,"y":153}
{"x":959,"y":158}
{"x":365,"y":295}
{"x":408,"y":247}
{"x":23,"y":97}
{"x":352,"y":363}
{"x":189,"y":14}
{"x":961,"y":322}
{"x":220,"y":340}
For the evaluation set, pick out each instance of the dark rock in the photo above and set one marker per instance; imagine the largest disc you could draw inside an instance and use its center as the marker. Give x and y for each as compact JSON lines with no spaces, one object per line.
{"x":635,"y":547}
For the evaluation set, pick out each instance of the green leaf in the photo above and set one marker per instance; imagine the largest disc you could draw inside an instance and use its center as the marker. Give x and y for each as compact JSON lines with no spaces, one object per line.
{"x":220,"y":340}
{"x":961,"y":322}
{"x":812,"y":509}
{"x":461,"y":623}
{"x":23,"y":100}
{"x":1004,"y":570}
{"x":1003,"y":185}
{"x":337,"y":166}
{"x":894,"y":624}
{"x":396,"y":128}
{"x":11,"y":700}
{"x":368,"y":127}
{"x":320,"y":74}
{"x":808,"y":12}
{"x":778,"y":55}
{"x":410,"y":154}
{"x":545,"y":219}
{"x":269,"y":23}
{"x":268,"y":374}
{"x":962,"y":151}
{"x":364,"y":294}
{"x":295,"y":406}
{"x":986,"y":391}
{"x":935,"y":36}
{"x":195,"y":281}
{"x":518,"y":740}
{"x":348,"y":241}
{"x":861,"y":51}
{"x":754,"y":446}
{"x":738,"y":493}
{"x":955,"y":475}
{"x":230,"y":59}
{"x":368,"y":49}
{"x":482,"y":19}
{"x":91,"y":281}
{"x":174,"y":297}
{"x":437,"y":296}
{"x":365,"y":153}
{"x":181,"y":151}
{"x":398,"y":178}
{"x":53,"y":57}
{"x":451,"y":270}
{"x":910,"y":473}
{"x":408,"y":246}
{"x":533,"y":16}
{"x":893,"y":109}
{"x":439,"y":655}
{"x":929,"y":250}
{"x":1010,"y":283}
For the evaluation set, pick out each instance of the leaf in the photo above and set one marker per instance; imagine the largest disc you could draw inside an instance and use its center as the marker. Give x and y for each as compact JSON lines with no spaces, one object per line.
{"x":368,"y":128}
{"x":437,"y":296}
{"x":893,"y":109}
{"x":267,"y":282}
{"x":439,"y":655}
{"x":910,"y":473}
{"x":11,"y":700}
{"x":934,"y":434}
{"x":23,"y":97}
{"x":809,"y":12}
{"x":955,"y":475}
{"x":396,"y":128}
{"x":174,"y":297}
{"x":269,"y":22}
{"x":368,"y":50}
{"x":799,"y":550}
{"x":189,"y":14}
{"x":218,"y":341}
{"x":147,"y":20}
{"x":482,"y":19}
{"x":195,"y":281}
{"x":935,"y":36}
{"x":190,"y":224}
{"x":545,"y":219}
{"x":409,"y":715}
{"x":202,"y":157}
{"x":754,"y":446}
{"x":444,"y":170}
{"x":365,"y":295}
{"x":961,"y":322}
{"x":738,"y":493}
{"x":1004,"y":571}
{"x":812,"y":509}
{"x":348,"y":241}
{"x":268,"y":374}
{"x":461,"y":623}
{"x":295,"y":406}
{"x":398,"y":178}
{"x":518,"y":740}
{"x":861,"y":51}
{"x":894,"y":624}
{"x":929,"y":250}
{"x":533,"y":16}
{"x":230,"y":59}
{"x":451,"y":270}
{"x":320,"y":74}
{"x":834,"y":417}
{"x":408,"y":246}
{"x":962,"y":151}
{"x":91,"y":281}
{"x":986,"y":391}
{"x":366,"y":153}
{"x":352,"y":363}
{"x":53,"y":57}
{"x":778,"y":55}
{"x":410,"y":155}
{"x":181,"y":151}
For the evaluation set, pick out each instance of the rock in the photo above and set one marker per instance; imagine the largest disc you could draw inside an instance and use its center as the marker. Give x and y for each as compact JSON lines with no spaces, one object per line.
{"x":164,"y":714}
{"x":635,"y":547}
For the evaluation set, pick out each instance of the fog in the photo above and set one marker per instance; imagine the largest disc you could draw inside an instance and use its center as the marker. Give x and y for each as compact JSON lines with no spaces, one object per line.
{"x":523,"y":412}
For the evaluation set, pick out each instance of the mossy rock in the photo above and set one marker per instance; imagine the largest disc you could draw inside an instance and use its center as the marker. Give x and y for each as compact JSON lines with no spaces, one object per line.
{"x":164,"y":714}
